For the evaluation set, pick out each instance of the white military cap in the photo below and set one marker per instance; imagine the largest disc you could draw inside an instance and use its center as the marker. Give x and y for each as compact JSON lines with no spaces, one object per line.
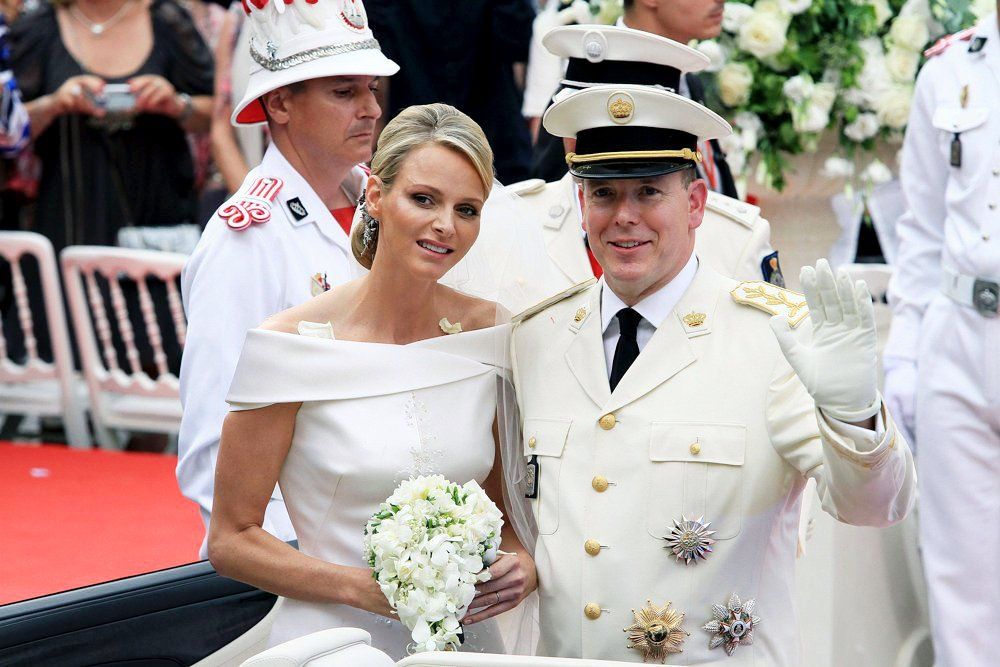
{"x":616,"y":55}
{"x":632,"y":131}
{"x":298,"y":40}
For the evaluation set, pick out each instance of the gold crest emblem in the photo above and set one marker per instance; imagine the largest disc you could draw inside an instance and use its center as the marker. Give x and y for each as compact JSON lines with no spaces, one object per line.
{"x":580,"y":315}
{"x":621,"y":107}
{"x":656,"y":632}
{"x":694,"y":319}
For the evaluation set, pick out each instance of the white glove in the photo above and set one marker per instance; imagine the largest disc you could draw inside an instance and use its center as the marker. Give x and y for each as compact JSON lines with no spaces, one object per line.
{"x":901,"y":394}
{"x":839,"y":367}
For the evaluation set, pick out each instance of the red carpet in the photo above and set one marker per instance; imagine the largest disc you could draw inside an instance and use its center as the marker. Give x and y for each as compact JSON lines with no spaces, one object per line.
{"x":71,"y":518}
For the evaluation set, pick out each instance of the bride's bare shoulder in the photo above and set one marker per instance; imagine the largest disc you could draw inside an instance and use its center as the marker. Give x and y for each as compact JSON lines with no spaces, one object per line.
{"x":473,"y":312}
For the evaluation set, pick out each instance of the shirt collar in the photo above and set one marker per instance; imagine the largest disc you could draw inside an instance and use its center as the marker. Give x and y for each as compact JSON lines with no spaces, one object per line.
{"x":657,"y":306}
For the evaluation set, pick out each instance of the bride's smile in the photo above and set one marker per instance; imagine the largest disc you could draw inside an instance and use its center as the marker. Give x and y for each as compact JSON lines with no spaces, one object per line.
{"x":430,"y":216}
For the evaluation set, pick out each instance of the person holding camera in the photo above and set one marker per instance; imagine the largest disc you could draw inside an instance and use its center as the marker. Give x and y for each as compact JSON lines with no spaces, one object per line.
{"x":111,"y":88}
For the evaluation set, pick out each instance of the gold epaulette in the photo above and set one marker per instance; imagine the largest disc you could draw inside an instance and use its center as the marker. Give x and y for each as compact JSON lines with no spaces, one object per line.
{"x":554,"y":299}
{"x":772,"y":299}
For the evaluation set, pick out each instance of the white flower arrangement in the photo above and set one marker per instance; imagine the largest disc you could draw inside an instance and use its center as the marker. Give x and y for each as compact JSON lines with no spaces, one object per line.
{"x":804,"y":66}
{"x":428,"y":545}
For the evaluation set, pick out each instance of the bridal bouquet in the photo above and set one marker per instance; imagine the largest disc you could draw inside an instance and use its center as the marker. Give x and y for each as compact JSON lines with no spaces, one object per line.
{"x":428,"y":545}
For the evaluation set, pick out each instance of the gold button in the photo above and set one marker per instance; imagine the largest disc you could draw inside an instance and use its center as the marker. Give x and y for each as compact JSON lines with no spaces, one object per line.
{"x":532,"y":442}
{"x":985,"y":237}
{"x":600,"y":483}
{"x":996,"y":172}
{"x":592,"y":547}
{"x":992,"y":205}
{"x":592,"y":611}
{"x":695,"y":448}
{"x":607,"y":422}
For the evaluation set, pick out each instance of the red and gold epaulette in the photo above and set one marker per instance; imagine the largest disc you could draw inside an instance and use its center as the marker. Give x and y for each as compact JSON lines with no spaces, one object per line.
{"x":942,"y":44}
{"x":251,"y":205}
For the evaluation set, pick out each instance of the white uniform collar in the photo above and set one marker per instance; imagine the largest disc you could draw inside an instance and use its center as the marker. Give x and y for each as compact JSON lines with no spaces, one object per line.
{"x":656,"y":307}
{"x":295,"y":187}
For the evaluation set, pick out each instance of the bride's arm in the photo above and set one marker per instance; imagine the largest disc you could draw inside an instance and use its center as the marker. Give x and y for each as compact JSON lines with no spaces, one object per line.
{"x":253,"y":449}
{"x":514,"y":575}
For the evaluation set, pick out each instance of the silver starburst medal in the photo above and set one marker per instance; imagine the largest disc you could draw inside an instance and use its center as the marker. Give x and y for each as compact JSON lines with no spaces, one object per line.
{"x":732,"y":624}
{"x":690,"y":539}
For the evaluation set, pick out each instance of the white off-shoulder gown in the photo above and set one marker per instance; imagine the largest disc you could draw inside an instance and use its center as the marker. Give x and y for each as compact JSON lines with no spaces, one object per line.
{"x":372,"y":415}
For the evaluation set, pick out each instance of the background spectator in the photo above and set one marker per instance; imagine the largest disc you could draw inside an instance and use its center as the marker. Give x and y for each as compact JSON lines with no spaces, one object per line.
{"x":463,"y":53}
{"x":102,"y":170}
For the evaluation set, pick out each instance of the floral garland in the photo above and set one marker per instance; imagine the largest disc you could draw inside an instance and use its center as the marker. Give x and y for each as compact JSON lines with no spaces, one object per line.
{"x":787,"y":70}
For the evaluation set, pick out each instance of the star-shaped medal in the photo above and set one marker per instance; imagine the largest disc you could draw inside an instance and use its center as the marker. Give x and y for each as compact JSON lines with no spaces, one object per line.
{"x":733,"y":624}
{"x":690,"y":539}
{"x":656,"y":632}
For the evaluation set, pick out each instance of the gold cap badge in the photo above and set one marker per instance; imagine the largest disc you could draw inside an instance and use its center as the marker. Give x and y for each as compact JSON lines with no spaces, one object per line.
{"x":621,"y":107}
{"x":580,"y":315}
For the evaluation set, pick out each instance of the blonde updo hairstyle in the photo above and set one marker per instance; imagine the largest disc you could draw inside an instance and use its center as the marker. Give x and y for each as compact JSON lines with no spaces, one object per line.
{"x":413,"y":128}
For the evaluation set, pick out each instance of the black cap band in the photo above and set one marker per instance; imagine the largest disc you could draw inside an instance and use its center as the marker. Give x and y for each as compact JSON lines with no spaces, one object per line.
{"x":623,"y":72}
{"x":632,"y":138}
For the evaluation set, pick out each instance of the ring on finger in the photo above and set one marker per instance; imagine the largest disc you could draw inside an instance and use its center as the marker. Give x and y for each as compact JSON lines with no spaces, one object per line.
{"x":498,"y":596}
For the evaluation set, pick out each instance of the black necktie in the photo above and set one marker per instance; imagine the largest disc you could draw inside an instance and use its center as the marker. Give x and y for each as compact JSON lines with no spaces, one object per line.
{"x":628,"y":347}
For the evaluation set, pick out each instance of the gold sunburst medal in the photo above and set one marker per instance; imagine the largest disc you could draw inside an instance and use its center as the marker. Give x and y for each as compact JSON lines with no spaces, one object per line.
{"x":656,"y":632}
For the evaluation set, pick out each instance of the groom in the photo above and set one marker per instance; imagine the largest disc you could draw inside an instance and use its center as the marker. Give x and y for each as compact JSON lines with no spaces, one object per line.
{"x":672,"y":416}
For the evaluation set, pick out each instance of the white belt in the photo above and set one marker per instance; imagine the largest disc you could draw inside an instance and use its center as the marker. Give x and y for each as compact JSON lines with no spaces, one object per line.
{"x":978,"y":293}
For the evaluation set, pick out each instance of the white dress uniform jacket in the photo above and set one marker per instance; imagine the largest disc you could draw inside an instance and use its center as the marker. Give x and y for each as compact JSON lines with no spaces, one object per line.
{"x":948,"y":238}
{"x":709,"y":423}
{"x":733,"y":237}
{"x":233,"y":281}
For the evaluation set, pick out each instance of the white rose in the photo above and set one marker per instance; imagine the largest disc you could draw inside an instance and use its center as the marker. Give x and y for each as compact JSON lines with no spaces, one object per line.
{"x":764,"y":35}
{"x":874,"y":78}
{"x":876,"y":173}
{"x":883,"y":12}
{"x":798,"y":88}
{"x":893,"y":106}
{"x":909,"y":32}
{"x":750,"y":126}
{"x":716,"y":56}
{"x":902,"y":64}
{"x":824,"y":95}
{"x":772,"y":7}
{"x":837,"y":167}
{"x":735,"y":81}
{"x":865,"y":126}
{"x":810,"y":119}
{"x":734,"y":15}
{"x":795,"y":6}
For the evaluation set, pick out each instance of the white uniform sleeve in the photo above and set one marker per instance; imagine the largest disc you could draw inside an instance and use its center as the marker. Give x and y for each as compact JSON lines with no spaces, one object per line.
{"x":544,"y":69}
{"x":920,"y":230}
{"x":231,"y":284}
{"x":863,"y":478}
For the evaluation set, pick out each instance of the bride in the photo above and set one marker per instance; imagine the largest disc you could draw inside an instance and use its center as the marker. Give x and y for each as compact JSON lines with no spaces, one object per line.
{"x":389,"y":376}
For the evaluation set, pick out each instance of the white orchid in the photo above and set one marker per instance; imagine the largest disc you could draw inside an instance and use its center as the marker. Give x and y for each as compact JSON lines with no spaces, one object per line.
{"x":428,"y":545}
{"x":837,"y":167}
{"x":876,"y":173}
{"x":864,"y":127}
